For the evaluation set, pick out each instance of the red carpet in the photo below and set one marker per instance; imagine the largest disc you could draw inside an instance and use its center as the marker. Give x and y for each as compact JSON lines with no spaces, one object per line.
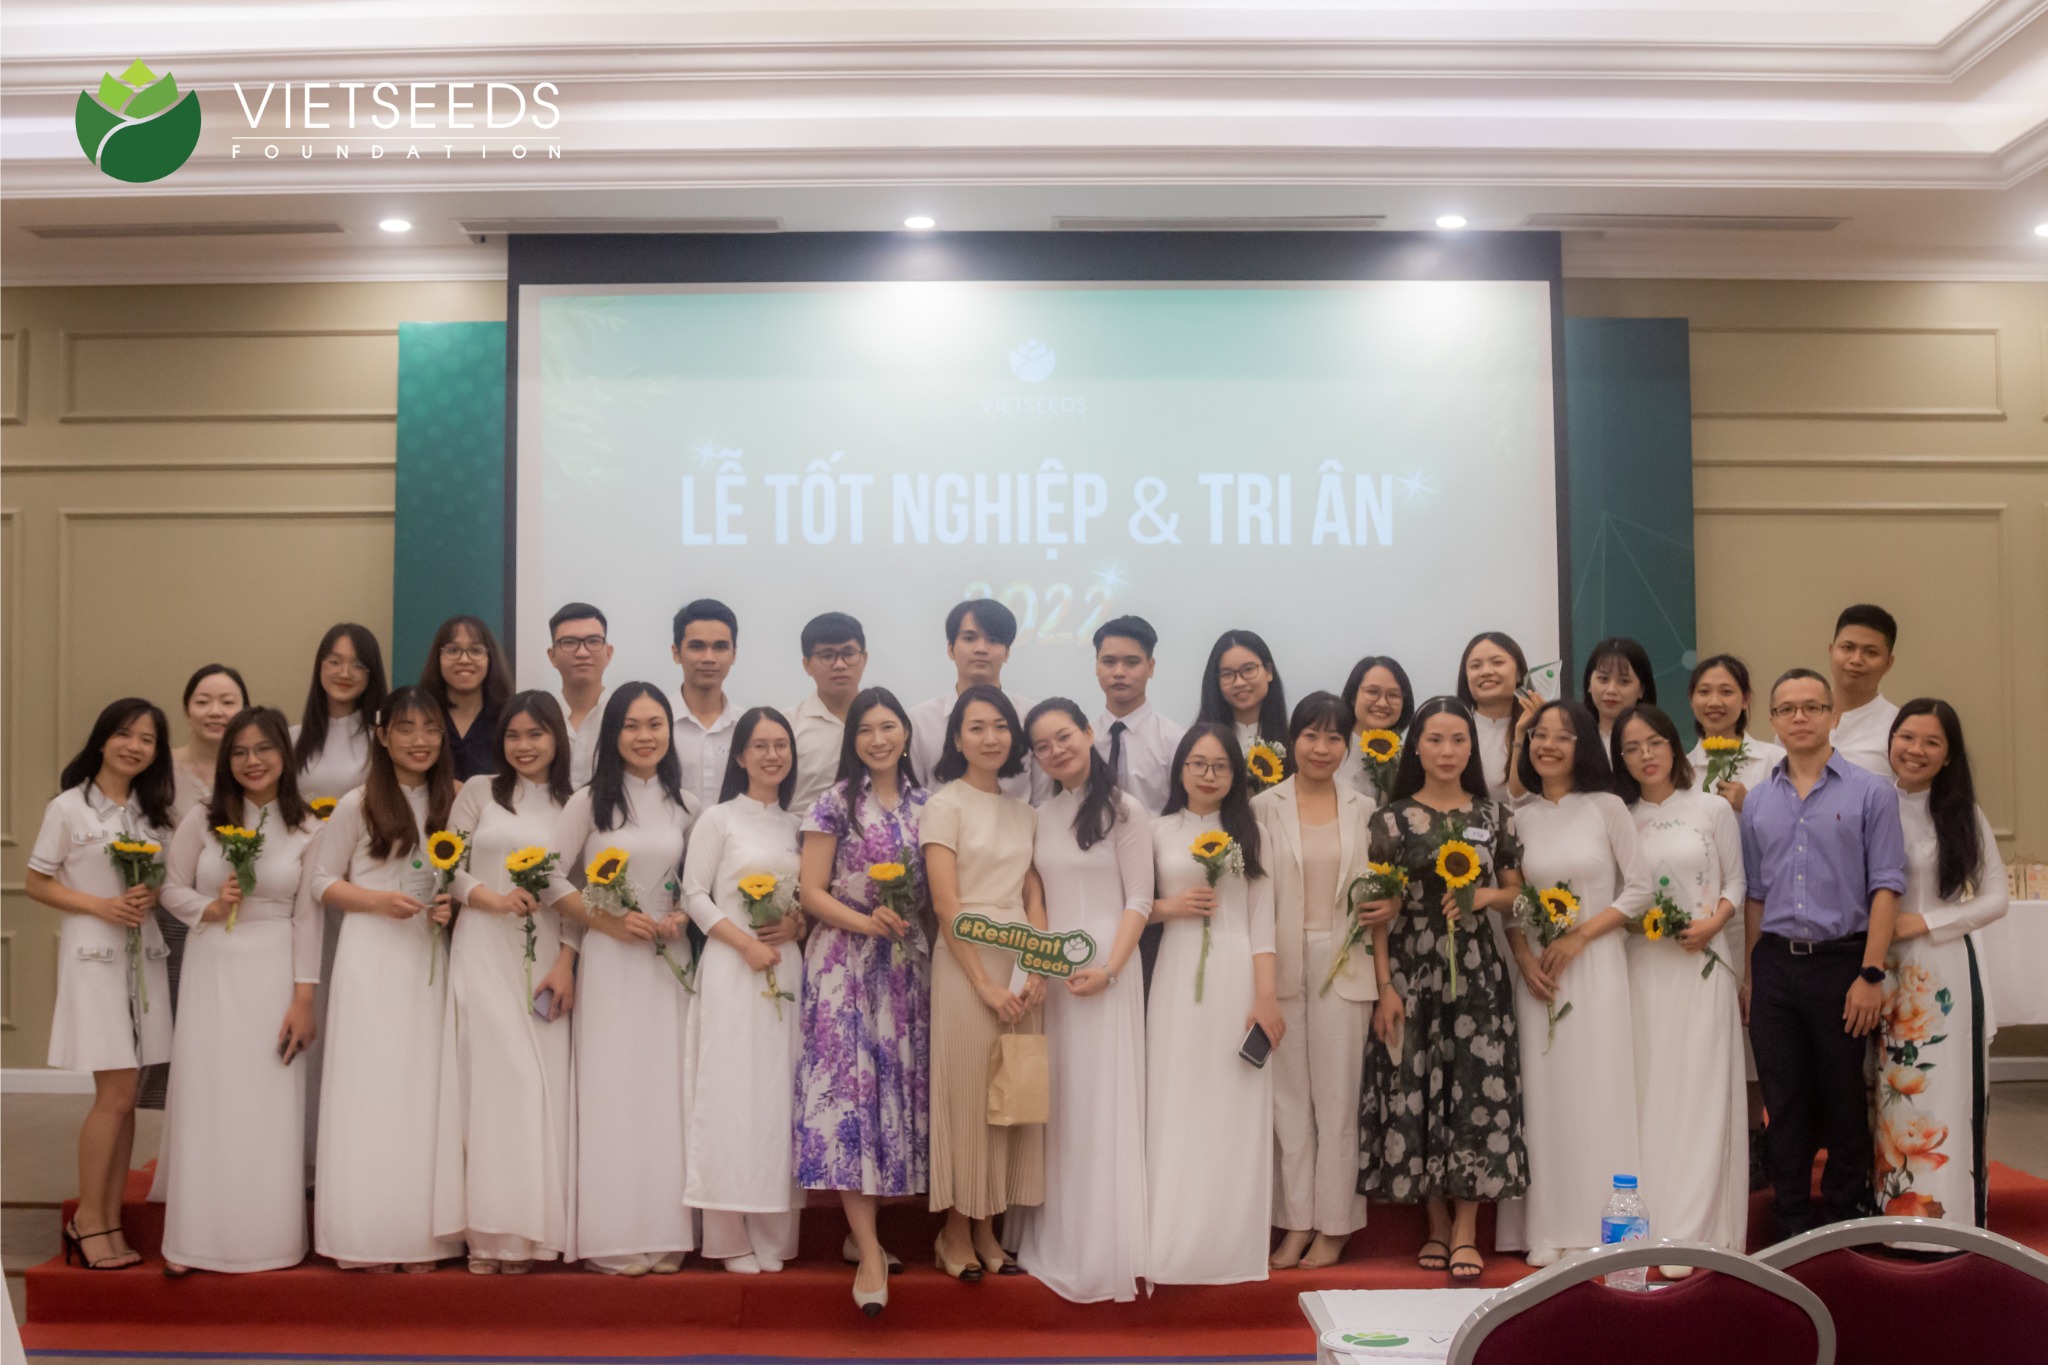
{"x":805,"y":1312}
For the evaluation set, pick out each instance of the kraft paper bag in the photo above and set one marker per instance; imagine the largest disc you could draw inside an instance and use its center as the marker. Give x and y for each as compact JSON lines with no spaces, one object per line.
{"x":1019,"y":1080}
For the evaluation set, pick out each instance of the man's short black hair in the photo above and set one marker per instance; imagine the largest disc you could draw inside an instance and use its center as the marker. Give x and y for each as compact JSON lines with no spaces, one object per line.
{"x":1870,"y":618}
{"x":1128,"y":628}
{"x":575,"y":611}
{"x":832,"y":628}
{"x":994,"y":619}
{"x":1795,"y":674}
{"x":706,"y":609}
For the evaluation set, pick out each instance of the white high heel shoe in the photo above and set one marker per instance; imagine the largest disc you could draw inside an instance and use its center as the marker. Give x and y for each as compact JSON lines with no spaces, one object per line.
{"x":872,"y":1304}
{"x":849,"y":1252}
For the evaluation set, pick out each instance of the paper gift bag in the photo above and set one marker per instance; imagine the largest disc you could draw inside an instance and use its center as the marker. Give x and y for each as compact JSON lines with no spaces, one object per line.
{"x":1019,"y":1086}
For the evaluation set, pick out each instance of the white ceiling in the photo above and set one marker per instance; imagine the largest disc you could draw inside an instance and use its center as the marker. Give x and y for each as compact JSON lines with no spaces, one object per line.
{"x":1922,"y":124}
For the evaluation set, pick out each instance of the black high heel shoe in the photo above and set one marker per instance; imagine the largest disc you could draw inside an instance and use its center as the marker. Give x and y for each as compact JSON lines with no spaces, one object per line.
{"x":74,"y":1248}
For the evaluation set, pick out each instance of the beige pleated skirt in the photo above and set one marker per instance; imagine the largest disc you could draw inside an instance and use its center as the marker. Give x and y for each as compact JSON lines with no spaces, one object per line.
{"x":977,"y":1168}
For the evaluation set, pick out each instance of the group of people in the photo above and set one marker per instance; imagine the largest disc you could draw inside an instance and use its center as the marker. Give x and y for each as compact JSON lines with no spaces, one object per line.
{"x":599,"y":973}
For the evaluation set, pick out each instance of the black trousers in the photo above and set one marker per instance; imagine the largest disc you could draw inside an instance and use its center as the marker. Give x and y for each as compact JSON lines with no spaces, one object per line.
{"x":1812,"y":1076}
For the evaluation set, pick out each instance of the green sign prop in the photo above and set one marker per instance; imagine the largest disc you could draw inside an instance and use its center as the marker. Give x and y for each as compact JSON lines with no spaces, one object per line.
{"x":1038,"y":952}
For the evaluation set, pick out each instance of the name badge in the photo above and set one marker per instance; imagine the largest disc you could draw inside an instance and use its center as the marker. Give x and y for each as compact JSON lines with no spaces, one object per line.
{"x":1478,"y":834}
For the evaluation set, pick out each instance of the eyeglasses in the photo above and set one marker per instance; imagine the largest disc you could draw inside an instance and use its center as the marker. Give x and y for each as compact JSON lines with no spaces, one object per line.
{"x":1637,"y":748}
{"x":348,"y":668}
{"x":1801,"y":708}
{"x":828,"y":657}
{"x":1381,"y":694}
{"x":1249,"y":673}
{"x":264,"y":750}
{"x":580,"y":644}
{"x":768,"y":748}
{"x":473,"y":653}
{"x":1207,"y":767}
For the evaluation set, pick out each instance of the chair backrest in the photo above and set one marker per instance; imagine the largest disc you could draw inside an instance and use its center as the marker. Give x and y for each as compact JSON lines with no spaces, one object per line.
{"x":1986,"y":1305}
{"x":1749,"y":1312}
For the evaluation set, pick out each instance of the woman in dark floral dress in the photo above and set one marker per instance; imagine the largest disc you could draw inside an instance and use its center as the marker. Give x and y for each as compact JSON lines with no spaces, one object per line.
{"x":1440,"y":1110}
{"x":862,"y":1086}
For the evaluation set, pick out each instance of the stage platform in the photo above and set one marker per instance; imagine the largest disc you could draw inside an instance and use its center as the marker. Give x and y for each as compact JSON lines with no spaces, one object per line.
{"x":805,"y":1312}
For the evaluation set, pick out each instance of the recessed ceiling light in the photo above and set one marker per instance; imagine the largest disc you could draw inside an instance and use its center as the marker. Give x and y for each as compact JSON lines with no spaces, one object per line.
{"x":395,"y":225}
{"x":1451,"y":220}
{"x":918,"y":222}
{"x":2041,"y":229}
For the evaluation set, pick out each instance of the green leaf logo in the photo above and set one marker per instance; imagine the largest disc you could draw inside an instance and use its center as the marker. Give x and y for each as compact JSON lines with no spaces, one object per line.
{"x":136,"y":127}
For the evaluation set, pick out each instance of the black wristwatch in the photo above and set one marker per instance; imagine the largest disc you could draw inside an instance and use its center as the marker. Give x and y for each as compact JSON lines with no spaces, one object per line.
{"x":1874,"y":975}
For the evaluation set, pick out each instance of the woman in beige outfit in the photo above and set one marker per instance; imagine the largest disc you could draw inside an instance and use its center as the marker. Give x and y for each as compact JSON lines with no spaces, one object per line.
{"x":977,"y":846}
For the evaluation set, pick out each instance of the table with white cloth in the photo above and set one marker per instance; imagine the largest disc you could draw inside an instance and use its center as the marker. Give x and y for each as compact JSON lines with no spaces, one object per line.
{"x":2012,"y":962}
{"x":1356,"y":1325}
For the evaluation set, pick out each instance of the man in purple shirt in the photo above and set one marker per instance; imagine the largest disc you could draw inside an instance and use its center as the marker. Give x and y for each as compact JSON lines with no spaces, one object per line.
{"x":1825,"y":860}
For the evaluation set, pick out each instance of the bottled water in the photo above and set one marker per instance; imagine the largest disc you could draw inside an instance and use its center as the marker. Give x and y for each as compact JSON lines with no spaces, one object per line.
{"x":1626,"y":1220}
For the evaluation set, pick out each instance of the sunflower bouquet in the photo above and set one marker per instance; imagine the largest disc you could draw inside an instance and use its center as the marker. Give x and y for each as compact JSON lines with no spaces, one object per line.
{"x":446,"y":848}
{"x":1218,"y":855}
{"x":1548,"y":914}
{"x":1381,"y":752}
{"x":1266,"y":761}
{"x":606,"y":888}
{"x":896,"y":888}
{"x":1725,"y":756}
{"x":322,"y":806}
{"x":136,"y":860}
{"x":1457,"y":862}
{"x":1666,"y":917}
{"x":529,"y":869}
{"x":241,"y":847}
{"x":760,"y":893}
{"x":1381,"y":882}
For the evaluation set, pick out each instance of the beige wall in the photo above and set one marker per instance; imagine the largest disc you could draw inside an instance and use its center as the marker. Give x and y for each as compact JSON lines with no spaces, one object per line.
{"x":180,"y":465}
{"x":180,"y":468}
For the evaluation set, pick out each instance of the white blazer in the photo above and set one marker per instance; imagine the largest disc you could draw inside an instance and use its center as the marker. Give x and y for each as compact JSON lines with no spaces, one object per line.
{"x":1279,"y":815}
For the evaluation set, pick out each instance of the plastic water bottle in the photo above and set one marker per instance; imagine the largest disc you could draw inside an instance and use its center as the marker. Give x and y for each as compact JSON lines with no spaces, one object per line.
{"x":1626,"y":1220}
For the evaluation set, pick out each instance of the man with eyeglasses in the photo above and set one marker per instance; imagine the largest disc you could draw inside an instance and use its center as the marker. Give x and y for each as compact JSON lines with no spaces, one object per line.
{"x":580,"y":652}
{"x":1825,"y":861}
{"x":835,"y":656}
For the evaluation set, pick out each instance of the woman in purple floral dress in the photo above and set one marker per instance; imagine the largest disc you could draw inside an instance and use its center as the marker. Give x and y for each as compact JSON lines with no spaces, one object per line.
{"x":861,"y":1087}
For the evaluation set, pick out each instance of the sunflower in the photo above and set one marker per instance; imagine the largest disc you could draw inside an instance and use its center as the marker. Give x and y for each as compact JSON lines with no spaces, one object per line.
{"x":444,"y":849}
{"x":143,"y":847}
{"x":605,"y":868}
{"x":886,"y":872}
{"x":227,"y":832}
{"x":1379,"y":869}
{"x":1457,"y":862}
{"x":1653,"y":924}
{"x":1561,"y":905}
{"x":760,"y":886}
{"x":525,"y":859}
{"x":1210,"y":844}
{"x":1381,"y":746}
{"x":1265,"y":764}
{"x":1720,"y":744}
{"x":322,"y":806}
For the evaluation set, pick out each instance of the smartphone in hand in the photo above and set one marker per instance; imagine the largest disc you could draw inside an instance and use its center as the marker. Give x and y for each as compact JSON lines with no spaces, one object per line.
{"x":1257,"y":1047}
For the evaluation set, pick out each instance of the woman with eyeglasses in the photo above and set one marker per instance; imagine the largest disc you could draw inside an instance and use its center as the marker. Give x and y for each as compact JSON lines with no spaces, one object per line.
{"x":468,"y":675}
{"x":1691,"y":1104}
{"x":1241,"y":688}
{"x":1380,"y":698}
{"x":744,"y":1036}
{"x":331,"y":743}
{"x":1209,"y":1112}
{"x":236,"y":1186}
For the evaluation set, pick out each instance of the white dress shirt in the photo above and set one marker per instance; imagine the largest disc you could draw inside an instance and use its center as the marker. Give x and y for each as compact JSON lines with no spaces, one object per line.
{"x":928,"y":740}
{"x":1864,"y":736}
{"x":819,"y":737}
{"x":1145,"y":765}
{"x":583,"y":738}
{"x":702,"y":751}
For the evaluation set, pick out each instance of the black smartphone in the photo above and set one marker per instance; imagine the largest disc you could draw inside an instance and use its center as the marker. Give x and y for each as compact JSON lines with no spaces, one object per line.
{"x":1257,"y":1047}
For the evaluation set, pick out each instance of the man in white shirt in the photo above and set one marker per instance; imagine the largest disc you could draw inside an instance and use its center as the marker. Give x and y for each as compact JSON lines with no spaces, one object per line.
{"x":835,"y":657}
{"x":1859,"y":657}
{"x":580,"y":652}
{"x":1136,"y":741}
{"x":979,"y":634}
{"x":707,"y":636}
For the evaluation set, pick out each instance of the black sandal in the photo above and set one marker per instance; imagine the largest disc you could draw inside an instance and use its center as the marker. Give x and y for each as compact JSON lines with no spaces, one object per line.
{"x":74,"y":1245}
{"x":1429,"y":1260}
{"x":1466,"y":1272}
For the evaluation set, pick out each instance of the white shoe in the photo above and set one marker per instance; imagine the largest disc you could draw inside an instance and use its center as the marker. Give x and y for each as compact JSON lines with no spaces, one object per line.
{"x":871,"y":1305}
{"x":667,"y":1265}
{"x":849,"y":1252}
{"x":1674,"y":1272}
{"x":745,"y":1265}
{"x":768,"y":1264}
{"x":1543,"y":1257}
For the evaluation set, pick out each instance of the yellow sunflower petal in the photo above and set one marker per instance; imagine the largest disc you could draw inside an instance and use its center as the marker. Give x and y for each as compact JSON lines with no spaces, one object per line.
{"x":759,"y":885}
{"x":605,"y":868}
{"x":1457,"y":862}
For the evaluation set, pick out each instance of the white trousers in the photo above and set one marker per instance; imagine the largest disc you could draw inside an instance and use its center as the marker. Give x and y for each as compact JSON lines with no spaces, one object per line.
{"x":1316,"y":1073}
{"x":728,"y":1234}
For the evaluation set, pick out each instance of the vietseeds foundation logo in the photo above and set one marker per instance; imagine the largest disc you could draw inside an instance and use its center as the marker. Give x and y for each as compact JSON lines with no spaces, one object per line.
{"x":138,"y":128}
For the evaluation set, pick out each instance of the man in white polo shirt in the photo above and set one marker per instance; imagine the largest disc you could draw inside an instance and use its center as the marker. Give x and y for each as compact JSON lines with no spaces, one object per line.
{"x":1859,"y":657}
{"x":707,"y":637}
{"x":580,"y":652}
{"x":836,"y":657}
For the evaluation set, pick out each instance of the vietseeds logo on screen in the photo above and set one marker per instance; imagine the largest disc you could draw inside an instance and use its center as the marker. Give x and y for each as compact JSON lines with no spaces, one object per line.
{"x":137,"y":128}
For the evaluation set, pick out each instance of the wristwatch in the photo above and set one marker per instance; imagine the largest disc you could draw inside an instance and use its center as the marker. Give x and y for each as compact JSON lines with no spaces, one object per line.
{"x":1874,"y":975}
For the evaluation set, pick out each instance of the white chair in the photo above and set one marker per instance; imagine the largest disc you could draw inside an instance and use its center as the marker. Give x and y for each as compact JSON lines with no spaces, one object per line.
{"x":1708,"y":1319}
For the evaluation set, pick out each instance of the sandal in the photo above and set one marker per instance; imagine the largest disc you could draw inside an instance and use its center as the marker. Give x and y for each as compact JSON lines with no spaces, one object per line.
{"x":1430,"y":1260}
{"x":74,"y":1245}
{"x":1466,"y":1271}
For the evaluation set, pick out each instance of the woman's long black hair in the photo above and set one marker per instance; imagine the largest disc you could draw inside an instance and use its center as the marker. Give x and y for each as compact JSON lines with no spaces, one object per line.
{"x":1408,"y":777}
{"x":1357,"y":680}
{"x":1590,"y":772}
{"x":229,"y":803}
{"x":154,"y":787}
{"x":853,"y":769}
{"x":1952,"y":801}
{"x":1101,"y":807}
{"x":952,"y":763}
{"x":497,"y":684}
{"x":547,"y":713}
{"x":1235,"y":816}
{"x":313,"y":724}
{"x":1214,"y":710}
{"x":387,"y":815}
{"x":736,"y":779}
{"x":608,"y":777}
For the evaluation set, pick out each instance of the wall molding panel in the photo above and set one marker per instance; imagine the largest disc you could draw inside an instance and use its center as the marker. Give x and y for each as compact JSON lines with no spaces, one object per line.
{"x":101,"y":368}
{"x":1848,"y":372}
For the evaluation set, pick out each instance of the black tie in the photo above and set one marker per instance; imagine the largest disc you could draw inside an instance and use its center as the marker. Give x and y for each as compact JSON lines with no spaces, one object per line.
{"x":1116,"y":749}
